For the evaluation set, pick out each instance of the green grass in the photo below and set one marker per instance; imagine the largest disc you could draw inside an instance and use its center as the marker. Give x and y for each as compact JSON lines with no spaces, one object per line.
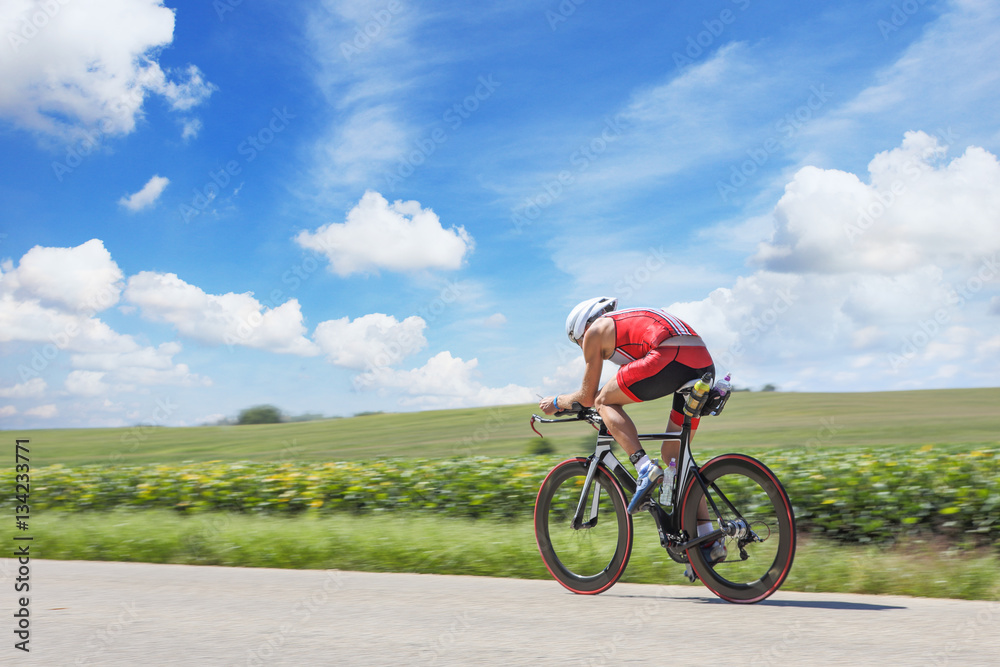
{"x":751,"y":421}
{"x":420,"y":543}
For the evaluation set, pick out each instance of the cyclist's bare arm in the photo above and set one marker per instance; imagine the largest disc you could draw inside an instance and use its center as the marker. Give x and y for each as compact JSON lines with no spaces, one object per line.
{"x":598,"y":345}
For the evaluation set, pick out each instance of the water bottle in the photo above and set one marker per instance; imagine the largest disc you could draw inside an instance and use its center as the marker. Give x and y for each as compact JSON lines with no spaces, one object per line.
{"x":667,"y":488}
{"x":722,"y":388}
{"x":699,"y":392}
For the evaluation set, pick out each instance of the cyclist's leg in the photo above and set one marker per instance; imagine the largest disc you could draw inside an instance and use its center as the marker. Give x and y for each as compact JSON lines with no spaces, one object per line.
{"x":609,"y":402}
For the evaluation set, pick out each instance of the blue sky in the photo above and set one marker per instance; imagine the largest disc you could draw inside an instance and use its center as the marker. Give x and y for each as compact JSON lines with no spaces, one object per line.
{"x":392,"y":205}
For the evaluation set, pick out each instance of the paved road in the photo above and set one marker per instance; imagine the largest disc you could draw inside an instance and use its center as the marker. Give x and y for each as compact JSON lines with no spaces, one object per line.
{"x":88,"y":613}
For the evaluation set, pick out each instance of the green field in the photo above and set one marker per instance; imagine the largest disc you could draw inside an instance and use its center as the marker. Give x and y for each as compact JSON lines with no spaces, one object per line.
{"x":894,"y":426}
{"x":751,"y":421}
{"x":440,"y":545}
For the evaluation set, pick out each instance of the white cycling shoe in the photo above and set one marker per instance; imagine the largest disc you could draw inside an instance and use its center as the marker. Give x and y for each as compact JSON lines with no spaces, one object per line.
{"x":649,"y":476}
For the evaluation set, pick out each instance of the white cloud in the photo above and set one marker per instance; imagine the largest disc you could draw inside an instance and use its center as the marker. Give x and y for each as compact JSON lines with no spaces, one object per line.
{"x":90,"y":66}
{"x":8,"y":411}
{"x":43,"y":411}
{"x":86,"y":383}
{"x":80,"y":278}
{"x":913,"y":212}
{"x":191,"y":129}
{"x":892,"y":277}
{"x":138,"y":366}
{"x":921,"y":86}
{"x":495,"y":321}
{"x":231,"y":319}
{"x":357,"y":149}
{"x":370,"y":131}
{"x":33,"y":388}
{"x":52,"y":298}
{"x":147,"y":196}
{"x":444,"y":382}
{"x":370,"y":340}
{"x":377,"y":235}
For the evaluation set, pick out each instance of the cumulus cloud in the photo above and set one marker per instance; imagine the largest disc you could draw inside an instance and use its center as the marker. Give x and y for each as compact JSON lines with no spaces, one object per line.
{"x":147,"y":196}
{"x":52,"y":299}
{"x":914,"y":211}
{"x":444,"y":382}
{"x":137,"y":366}
{"x":47,"y":411}
{"x":33,"y":388}
{"x":401,"y":236}
{"x":8,"y":411}
{"x":86,"y":383}
{"x":231,"y":319}
{"x":89,"y":66}
{"x":80,"y":278}
{"x":370,"y":340}
{"x":888,"y":279}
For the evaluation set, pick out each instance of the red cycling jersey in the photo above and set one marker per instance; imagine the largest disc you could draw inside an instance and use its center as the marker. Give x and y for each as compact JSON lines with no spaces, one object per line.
{"x":650,"y":369}
{"x":639,"y":330}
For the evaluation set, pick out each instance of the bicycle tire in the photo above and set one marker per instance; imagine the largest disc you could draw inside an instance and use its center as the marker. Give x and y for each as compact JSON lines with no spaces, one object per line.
{"x":586,"y":561}
{"x":758,"y":495}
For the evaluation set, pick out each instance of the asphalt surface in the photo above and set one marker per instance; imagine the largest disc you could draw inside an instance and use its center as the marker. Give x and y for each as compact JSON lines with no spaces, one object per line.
{"x":95,"y":613}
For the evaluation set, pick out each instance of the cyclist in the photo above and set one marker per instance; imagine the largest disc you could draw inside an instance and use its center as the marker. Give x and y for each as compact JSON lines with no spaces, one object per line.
{"x":657,"y":353}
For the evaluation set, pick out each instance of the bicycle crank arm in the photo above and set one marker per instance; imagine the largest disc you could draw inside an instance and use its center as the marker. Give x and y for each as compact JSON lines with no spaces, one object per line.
{"x":710,"y":537}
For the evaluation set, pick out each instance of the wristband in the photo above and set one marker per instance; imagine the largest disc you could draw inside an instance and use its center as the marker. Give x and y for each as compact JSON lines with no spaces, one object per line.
{"x":555,"y":402}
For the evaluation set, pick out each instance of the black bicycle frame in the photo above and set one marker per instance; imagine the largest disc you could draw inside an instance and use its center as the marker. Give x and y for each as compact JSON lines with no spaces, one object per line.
{"x":672,"y":537}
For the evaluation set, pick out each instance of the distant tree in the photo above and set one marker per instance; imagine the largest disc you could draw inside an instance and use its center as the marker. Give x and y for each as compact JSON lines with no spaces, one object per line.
{"x":769,"y":387}
{"x":260,"y":414}
{"x":540,"y":447}
{"x":369,"y":413}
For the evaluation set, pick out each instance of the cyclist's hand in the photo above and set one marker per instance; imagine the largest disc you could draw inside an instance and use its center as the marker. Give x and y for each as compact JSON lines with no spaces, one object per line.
{"x":547,"y":405}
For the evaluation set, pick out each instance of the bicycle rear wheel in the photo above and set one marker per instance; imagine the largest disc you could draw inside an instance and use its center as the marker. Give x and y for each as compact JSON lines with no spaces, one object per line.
{"x":757,"y":563}
{"x":587,"y":559}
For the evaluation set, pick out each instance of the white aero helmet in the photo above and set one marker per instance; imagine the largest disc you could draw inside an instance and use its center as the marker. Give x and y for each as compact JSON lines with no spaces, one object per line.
{"x":585,"y":313}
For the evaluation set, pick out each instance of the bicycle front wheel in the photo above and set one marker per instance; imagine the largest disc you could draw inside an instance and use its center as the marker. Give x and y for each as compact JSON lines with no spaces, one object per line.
{"x":760,"y":556}
{"x":590,"y":557}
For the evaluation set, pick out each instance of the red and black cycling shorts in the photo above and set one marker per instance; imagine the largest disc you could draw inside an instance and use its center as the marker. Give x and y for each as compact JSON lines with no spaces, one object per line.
{"x":663,"y":371}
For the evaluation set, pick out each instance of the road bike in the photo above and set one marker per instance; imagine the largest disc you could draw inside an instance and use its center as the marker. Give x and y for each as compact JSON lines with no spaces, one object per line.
{"x":585,"y":533}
